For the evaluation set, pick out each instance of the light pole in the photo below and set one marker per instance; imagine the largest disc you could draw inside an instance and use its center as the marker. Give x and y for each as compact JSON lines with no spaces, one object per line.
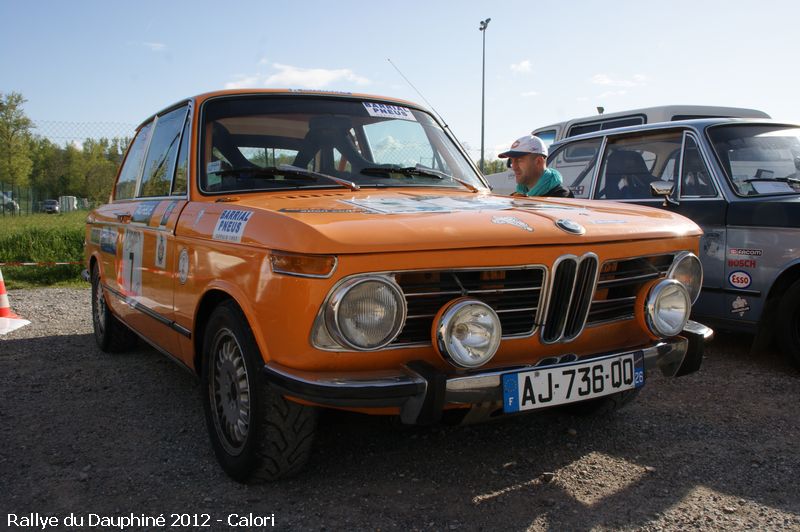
{"x":482,"y":28}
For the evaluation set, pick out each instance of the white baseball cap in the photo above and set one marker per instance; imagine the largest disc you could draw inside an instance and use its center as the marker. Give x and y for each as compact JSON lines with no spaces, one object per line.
{"x":524,"y":146}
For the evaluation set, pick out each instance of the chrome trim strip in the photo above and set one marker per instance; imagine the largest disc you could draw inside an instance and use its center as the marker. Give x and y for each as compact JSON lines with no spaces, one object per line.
{"x":149,"y":312}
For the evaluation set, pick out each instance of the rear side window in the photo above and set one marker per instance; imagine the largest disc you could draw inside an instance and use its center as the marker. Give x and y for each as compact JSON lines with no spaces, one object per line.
{"x":126,"y":184}
{"x":548,"y":136}
{"x":160,"y":165}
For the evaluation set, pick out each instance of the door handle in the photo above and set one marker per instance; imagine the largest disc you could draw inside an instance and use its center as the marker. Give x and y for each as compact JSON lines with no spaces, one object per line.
{"x":123,"y":217}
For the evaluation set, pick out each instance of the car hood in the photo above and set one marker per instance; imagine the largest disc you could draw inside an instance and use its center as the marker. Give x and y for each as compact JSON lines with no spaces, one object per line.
{"x":370,"y":221}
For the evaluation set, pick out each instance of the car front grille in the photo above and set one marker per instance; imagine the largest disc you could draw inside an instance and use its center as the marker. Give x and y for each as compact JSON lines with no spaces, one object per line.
{"x":515,"y":294}
{"x":581,"y":294}
{"x":620,"y":282}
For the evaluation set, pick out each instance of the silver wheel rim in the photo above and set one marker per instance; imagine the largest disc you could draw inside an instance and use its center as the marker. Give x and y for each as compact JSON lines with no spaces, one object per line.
{"x":229,"y":390}
{"x":100,"y":308}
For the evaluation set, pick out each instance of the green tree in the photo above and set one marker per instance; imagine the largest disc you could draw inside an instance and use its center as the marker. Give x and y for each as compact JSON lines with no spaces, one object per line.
{"x":15,"y":126}
{"x":493,"y":167}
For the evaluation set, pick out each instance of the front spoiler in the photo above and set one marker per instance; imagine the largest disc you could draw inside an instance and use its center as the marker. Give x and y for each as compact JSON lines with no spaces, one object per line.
{"x":422,"y":391}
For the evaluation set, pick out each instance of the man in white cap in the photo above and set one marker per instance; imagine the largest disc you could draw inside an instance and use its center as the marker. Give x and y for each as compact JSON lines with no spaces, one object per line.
{"x":528,"y":158}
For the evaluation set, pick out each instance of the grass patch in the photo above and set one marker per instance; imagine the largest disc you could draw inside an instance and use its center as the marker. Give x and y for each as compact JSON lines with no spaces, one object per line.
{"x":42,"y":238}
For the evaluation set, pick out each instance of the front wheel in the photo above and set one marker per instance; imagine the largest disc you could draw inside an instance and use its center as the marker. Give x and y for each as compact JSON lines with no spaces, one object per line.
{"x":788,"y":323}
{"x":256,"y":434}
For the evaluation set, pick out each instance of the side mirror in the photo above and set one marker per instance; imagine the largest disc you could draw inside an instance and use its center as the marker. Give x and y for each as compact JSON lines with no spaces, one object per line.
{"x":663,"y":188}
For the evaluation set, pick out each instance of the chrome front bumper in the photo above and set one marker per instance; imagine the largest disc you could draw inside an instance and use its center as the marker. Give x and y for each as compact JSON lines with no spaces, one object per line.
{"x":422,"y":391}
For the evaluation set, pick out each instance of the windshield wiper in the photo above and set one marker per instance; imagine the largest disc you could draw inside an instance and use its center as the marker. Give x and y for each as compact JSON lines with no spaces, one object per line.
{"x":286,"y":169}
{"x":418,"y":171}
{"x":779,"y":179}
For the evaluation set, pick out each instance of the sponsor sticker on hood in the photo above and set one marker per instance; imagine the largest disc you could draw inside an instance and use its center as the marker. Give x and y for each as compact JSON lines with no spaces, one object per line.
{"x":415,"y":205}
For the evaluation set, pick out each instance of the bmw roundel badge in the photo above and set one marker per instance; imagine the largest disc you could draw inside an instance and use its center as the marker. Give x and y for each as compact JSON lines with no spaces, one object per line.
{"x":570,"y":227}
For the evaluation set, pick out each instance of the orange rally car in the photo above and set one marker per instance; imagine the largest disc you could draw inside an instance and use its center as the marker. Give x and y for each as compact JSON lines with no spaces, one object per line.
{"x":299,"y":250}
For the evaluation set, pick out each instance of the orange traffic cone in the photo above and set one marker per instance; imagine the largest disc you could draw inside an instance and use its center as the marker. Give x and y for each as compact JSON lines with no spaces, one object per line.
{"x":5,"y":307}
{"x":8,"y":320}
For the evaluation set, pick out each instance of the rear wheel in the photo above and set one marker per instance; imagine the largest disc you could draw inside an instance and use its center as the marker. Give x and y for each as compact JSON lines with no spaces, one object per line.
{"x":788,"y":323}
{"x":109,"y":333}
{"x":256,"y":434}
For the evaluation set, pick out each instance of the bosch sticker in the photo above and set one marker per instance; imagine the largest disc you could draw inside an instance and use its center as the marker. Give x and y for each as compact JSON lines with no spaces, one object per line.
{"x":231,"y":225}
{"x":742,"y":263}
{"x":739,"y":279}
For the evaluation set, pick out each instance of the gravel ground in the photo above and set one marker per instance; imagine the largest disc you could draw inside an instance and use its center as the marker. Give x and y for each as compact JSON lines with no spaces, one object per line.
{"x":91,"y":434}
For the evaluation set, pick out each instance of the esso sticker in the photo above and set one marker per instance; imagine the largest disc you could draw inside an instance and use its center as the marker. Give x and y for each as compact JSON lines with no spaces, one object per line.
{"x":739,"y":279}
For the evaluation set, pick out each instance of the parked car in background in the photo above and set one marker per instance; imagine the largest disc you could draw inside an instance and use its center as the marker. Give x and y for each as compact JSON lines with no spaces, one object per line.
{"x":504,"y":182}
{"x":50,"y":206}
{"x":740,"y":180}
{"x":299,"y":250}
{"x":8,"y":205}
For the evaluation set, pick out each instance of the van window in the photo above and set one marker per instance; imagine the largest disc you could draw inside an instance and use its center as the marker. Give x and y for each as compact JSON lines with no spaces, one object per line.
{"x":126,"y":184}
{"x":160,"y":165}
{"x":580,"y":129}
{"x":548,"y":136}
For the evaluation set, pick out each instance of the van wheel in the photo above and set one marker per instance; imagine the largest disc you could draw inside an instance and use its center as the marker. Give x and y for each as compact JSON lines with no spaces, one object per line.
{"x":602,"y":406}
{"x":109,"y":333}
{"x":256,"y":434}
{"x":788,"y":323}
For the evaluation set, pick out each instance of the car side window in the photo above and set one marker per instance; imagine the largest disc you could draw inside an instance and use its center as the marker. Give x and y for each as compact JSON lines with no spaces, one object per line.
{"x":182,"y":166}
{"x":162,"y":154}
{"x":132,"y":167}
{"x":630,"y":164}
{"x":575,"y":162}
{"x":695,"y":178}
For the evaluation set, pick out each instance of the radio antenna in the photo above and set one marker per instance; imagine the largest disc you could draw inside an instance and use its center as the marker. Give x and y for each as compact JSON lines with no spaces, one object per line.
{"x":420,"y":94}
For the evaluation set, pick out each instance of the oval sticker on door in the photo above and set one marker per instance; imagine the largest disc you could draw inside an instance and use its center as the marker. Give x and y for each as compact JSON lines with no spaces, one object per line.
{"x":739,"y":279}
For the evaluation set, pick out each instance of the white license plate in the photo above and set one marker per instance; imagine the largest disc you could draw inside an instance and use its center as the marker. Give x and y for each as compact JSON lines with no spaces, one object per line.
{"x":579,"y":381}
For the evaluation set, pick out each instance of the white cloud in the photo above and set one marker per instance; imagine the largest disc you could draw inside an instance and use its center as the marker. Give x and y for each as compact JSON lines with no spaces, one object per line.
{"x":243,"y":82}
{"x":312,"y":78}
{"x":637,"y":80}
{"x":611,"y":94}
{"x":155,"y":46}
{"x":528,"y":94}
{"x":582,"y":98}
{"x":522,"y":66}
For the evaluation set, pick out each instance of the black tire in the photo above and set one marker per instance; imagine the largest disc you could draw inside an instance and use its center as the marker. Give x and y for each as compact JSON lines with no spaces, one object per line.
{"x":602,"y":406}
{"x":788,"y":323}
{"x":256,"y":434}
{"x":109,"y":333}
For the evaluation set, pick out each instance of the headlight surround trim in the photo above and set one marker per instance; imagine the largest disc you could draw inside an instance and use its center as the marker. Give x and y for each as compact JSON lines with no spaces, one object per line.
{"x":658,"y":319}
{"x":680,"y":262}
{"x":333,"y":307}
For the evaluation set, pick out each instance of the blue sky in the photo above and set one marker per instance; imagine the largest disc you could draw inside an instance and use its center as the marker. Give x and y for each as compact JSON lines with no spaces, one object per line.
{"x":93,"y":61}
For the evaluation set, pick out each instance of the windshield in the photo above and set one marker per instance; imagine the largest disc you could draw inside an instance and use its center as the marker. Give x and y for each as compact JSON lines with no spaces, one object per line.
{"x":759,"y":159}
{"x":269,"y":143}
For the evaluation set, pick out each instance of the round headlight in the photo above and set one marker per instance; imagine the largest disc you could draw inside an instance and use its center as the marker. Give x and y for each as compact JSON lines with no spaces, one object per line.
{"x":667,"y":308}
{"x":687,"y":270}
{"x":366,"y":313}
{"x":467,"y":333}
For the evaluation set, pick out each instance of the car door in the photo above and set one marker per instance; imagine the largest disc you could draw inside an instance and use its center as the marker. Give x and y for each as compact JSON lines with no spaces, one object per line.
{"x":630,"y":163}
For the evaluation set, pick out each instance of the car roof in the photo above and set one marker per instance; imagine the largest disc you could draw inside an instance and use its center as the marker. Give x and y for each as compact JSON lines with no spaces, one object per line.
{"x":200,"y":98}
{"x":698,"y":124}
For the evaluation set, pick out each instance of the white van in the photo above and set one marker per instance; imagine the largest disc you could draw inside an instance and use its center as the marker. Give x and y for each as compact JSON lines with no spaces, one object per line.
{"x":504,"y":183}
